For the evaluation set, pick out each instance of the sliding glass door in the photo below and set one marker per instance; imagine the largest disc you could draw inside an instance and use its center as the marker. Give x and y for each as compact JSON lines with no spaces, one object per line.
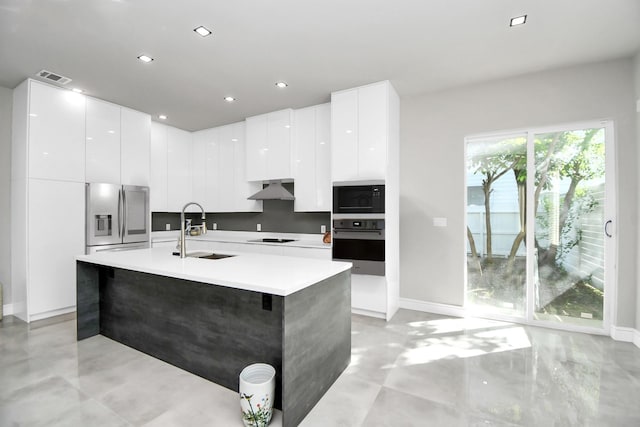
{"x":539,"y":225}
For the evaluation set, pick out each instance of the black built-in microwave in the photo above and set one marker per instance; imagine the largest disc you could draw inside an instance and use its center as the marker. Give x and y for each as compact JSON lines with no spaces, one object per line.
{"x":358,"y":199}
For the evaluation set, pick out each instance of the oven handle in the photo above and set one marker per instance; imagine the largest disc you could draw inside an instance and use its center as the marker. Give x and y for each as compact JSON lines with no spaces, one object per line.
{"x":358,"y":234}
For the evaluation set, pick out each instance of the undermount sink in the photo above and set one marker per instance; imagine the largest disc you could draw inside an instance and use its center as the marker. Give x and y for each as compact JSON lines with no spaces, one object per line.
{"x":204,"y":255}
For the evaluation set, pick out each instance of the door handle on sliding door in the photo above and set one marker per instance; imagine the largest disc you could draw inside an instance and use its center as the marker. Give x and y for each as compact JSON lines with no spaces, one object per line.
{"x":606,"y":228}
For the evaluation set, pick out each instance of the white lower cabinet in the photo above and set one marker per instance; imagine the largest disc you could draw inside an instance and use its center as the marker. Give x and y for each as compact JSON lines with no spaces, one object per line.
{"x":369,"y":294}
{"x":55,"y":237}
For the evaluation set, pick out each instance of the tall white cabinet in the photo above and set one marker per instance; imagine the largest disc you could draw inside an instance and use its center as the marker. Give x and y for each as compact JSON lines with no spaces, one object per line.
{"x":365,"y":144}
{"x":47,"y":208}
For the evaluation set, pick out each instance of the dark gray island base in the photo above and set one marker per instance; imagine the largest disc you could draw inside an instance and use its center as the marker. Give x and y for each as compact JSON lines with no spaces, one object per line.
{"x":215,"y":331}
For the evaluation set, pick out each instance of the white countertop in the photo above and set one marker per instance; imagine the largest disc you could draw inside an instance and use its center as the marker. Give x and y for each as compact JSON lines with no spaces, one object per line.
{"x":300,"y":240}
{"x":273,"y":274}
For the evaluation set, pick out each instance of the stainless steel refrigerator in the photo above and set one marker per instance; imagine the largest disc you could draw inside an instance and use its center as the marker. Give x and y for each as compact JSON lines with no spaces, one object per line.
{"x":117,"y":217}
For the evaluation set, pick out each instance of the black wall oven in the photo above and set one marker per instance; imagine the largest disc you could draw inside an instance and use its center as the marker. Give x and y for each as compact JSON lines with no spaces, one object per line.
{"x":361,"y":242}
{"x":355,"y":199}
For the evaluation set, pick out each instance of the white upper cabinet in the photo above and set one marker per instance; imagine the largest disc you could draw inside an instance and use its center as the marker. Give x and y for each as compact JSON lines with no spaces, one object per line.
{"x":179,"y":173}
{"x":256,"y":148}
{"x":268,"y":146}
{"x":373,"y":131}
{"x":205,"y":169}
{"x":242,"y":187}
{"x":311,"y":148}
{"x":158,"y":178}
{"x":56,"y":133}
{"x":219,"y":170}
{"x":135,"y":129}
{"x":117,"y":147}
{"x":360,"y":132}
{"x":226,"y":165}
{"x":103,"y":142}
{"x":344,"y":135}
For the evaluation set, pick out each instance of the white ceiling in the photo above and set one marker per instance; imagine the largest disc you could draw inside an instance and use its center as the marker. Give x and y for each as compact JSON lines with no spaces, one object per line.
{"x":317,"y":46}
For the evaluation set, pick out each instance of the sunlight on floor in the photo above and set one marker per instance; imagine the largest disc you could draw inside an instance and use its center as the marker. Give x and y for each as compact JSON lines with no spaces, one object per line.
{"x":505,"y":338}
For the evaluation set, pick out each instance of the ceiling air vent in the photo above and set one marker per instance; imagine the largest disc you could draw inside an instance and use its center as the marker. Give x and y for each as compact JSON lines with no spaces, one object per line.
{"x":48,"y":75}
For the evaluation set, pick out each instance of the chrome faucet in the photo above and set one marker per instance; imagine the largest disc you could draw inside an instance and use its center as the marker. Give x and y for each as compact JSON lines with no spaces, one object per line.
{"x":183,"y":249}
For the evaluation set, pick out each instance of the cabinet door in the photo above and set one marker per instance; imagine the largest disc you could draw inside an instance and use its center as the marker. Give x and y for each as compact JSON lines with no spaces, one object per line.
{"x":212,"y":175}
{"x":344,"y":135}
{"x":226,"y":163}
{"x":304,"y":159}
{"x":256,"y":148}
{"x":179,"y":191}
{"x":373,"y":123}
{"x":158,"y":178}
{"x":279,"y":144}
{"x":56,"y":133}
{"x":242,"y":187}
{"x":134,"y":147}
{"x":54,"y":242}
{"x":103,"y":142}
{"x":199,"y":167}
{"x":323,"y":191}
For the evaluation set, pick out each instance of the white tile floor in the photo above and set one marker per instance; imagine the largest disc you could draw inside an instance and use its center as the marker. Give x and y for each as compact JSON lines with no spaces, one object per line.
{"x":417,"y":370}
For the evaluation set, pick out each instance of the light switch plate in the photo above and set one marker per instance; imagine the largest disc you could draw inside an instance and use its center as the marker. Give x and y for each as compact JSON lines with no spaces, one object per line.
{"x":258,"y":227}
{"x":323,"y":229}
{"x":167,"y":227}
{"x":215,"y":226}
{"x":439,"y":222}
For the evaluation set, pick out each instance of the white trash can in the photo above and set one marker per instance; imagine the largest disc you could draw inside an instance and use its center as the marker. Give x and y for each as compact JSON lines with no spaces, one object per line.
{"x":257,"y":393}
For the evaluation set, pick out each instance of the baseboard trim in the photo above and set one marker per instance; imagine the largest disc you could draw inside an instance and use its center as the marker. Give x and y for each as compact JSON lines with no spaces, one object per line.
{"x":368,"y":313}
{"x":631,"y":335}
{"x":52,"y":313}
{"x":7,"y":310}
{"x":432,"y":307}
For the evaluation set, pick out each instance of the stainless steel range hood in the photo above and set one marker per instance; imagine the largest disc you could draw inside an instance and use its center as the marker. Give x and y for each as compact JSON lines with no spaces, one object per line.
{"x":273,"y":191}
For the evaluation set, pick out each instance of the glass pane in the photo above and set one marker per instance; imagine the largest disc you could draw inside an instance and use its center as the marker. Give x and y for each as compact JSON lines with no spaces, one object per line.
{"x":569,"y":205}
{"x":496,"y":196}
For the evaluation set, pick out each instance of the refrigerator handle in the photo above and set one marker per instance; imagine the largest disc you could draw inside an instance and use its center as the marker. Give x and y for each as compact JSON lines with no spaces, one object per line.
{"x":124,"y":212}
{"x":120,"y":213}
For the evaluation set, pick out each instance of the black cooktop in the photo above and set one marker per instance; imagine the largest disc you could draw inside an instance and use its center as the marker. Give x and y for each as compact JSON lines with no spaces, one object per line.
{"x":273,"y":240}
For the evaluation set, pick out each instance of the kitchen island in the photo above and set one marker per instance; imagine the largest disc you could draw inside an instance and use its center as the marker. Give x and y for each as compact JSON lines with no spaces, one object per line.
{"x":214,"y":317}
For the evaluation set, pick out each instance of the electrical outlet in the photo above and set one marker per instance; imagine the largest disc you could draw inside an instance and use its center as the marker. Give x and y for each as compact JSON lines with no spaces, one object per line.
{"x":215,"y":226}
{"x":439,"y":222}
{"x":258,"y":227}
{"x":167,"y":227}
{"x":323,"y":229}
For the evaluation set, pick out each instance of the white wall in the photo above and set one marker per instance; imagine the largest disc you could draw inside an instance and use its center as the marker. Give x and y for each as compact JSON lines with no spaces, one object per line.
{"x":636,"y":72}
{"x":433,"y":128}
{"x":6,"y":103}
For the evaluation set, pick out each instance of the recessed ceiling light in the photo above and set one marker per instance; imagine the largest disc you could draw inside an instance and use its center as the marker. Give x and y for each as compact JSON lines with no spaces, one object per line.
{"x":281,"y":85}
{"x":162,"y":117}
{"x":234,"y":139}
{"x":77,"y":90}
{"x":229,"y":98}
{"x":202,"y":31}
{"x":518,"y":20}
{"x":145,"y":58}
